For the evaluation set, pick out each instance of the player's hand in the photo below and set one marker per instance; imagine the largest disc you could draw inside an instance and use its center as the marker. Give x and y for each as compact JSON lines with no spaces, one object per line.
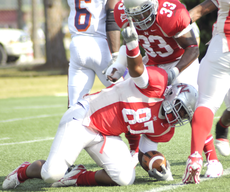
{"x":130,"y":35}
{"x":164,"y":175}
{"x":114,"y":58}
{"x":172,"y":74}
{"x":115,"y":72}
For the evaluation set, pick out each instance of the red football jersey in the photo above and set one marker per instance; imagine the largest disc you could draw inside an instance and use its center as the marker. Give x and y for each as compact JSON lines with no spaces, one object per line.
{"x":125,"y":107}
{"x":158,"y":41}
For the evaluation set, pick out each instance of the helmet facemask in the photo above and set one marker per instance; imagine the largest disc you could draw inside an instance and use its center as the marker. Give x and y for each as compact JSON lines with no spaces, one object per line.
{"x":176,"y":114}
{"x":179,"y":104}
{"x":144,"y":15}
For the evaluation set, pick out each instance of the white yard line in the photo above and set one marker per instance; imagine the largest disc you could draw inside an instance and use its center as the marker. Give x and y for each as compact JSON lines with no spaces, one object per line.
{"x":4,"y":138}
{"x":174,"y":186}
{"x":31,"y":141}
{"x":32,"y":117}
{"x":40,"y":106}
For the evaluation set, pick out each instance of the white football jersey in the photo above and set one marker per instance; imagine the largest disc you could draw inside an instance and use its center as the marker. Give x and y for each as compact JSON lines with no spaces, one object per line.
{"x":87,"y":17}
{"x":222,"y":25}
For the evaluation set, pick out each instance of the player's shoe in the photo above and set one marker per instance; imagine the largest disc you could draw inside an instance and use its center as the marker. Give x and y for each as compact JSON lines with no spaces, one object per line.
{"x":223,"y":146}
{"x":70,"y":179}
{"x":193,"y":169}
{"x":134,"y":155}
{"x":214,"y":169}
{"x":12,"y":181}
{"x":69,"y":169}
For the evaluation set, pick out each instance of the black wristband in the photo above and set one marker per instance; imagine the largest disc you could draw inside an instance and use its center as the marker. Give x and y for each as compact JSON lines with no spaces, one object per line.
{"x":111,"y":24}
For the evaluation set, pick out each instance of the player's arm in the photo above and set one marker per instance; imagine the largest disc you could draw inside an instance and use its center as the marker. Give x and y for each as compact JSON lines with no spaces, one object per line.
{"x":191,"y":50}
{"x":112,"y":29}
{"x":202,"y":9}
{"x":137,"y":70}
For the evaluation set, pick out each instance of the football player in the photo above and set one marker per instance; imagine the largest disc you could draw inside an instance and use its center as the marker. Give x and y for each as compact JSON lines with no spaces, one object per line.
{"x":95,"y":36}
{"x":140,"y":105}
{"x":165,"y":33}
{"x":221,"y":142}
{"x":213,"y":74}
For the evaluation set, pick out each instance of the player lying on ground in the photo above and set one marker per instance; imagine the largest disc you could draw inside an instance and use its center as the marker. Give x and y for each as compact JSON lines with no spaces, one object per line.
{"x":139,"y":105}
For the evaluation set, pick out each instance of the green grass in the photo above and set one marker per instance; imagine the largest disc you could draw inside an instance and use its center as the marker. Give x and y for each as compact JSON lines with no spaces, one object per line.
{"x":29,"y":110}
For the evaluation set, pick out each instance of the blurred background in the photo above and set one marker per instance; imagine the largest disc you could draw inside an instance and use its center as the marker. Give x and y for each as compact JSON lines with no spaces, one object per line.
{"x":36,"y":32}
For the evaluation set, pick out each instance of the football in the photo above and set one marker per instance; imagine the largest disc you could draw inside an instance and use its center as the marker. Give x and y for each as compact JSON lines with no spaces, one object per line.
{"x":153,"y":159}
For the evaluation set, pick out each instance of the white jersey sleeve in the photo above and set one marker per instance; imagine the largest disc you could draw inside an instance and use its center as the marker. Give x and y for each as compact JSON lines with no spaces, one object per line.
{"x":87,"y":17}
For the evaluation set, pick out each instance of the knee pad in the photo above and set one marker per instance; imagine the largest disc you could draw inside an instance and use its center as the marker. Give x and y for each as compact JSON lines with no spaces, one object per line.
{"x":51,"y":175}
{"x":125,"y":177}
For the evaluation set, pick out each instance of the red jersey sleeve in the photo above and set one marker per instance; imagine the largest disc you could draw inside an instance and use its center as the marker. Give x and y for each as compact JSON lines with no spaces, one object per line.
{"x":173,"y":17}
{"x":158,"y":80}
{"x":119,"y":15}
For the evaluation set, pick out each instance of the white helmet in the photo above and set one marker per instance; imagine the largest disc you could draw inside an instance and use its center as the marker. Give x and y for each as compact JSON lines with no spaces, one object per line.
{"x":180,"y":96}
{"x":143,"y":12}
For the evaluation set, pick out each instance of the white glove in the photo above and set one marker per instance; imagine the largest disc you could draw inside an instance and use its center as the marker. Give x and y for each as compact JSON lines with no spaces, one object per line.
{"x":114,"y":58}
{"x":172,"y":74}
{"x":130,"y":35}
{"x":164,"y":175}
{"x":117,"y":69}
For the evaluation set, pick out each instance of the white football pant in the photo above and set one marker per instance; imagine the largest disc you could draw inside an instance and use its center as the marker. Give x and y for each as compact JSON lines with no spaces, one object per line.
{"x":72,"y":137}
{"x":214,"y":77}
{"x":88,"y":56}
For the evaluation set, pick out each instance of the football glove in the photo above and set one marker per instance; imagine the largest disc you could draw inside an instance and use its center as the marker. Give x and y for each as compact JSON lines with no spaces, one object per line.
{"x":130,"y":35}
{"x":164,"y":175}
{"x":172,"y":74}
{"x":114,"y":58}
{"x":117,"y":69}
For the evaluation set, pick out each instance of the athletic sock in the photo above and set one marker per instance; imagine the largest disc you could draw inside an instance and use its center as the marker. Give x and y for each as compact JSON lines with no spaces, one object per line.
{"x":201,"y":127}
{"x":221,"y":130}
{"x":209,"y":149}
{"x":22,"y":173}
{"x":87,"y":179}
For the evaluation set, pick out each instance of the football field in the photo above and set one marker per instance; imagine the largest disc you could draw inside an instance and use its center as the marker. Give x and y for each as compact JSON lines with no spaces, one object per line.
{"x":28,"y":124}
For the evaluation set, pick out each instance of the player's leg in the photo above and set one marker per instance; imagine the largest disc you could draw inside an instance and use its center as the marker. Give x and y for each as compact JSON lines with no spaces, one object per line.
{"x":115,"y":159}
{"x":214,"y":167}
{"x":100,"y":58}
{"x":110,"y":153}
{"x":70,"y":139}
{"x":213,"y":74}
{"x":221,"y":142}
{"x":80,"y":75}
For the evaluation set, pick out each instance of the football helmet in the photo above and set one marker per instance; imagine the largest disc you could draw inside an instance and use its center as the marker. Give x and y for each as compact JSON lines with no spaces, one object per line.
{"x":142,"y":12}
{"x":179,"y":104}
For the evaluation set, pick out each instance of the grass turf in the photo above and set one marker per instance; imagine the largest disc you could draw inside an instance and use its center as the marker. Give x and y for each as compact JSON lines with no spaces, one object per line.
{"x":29,"y":116}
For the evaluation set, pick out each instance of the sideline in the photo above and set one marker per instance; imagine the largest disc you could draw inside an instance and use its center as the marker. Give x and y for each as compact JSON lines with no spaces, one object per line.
{"x":174,"y":186}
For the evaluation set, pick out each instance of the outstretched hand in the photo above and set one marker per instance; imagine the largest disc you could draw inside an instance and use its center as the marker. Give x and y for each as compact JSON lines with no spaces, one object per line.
{"x":130,"y":35}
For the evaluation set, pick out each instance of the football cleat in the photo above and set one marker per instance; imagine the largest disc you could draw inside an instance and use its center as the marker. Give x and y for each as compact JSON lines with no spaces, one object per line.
{"x":70,"y":179}
{"x":214,"y":169}
{"x":223,"y":146}
{"x":134,"y":155}
{"x":12,"y":181}
{"x":193,"y":169}
{"x":69,"y":169}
